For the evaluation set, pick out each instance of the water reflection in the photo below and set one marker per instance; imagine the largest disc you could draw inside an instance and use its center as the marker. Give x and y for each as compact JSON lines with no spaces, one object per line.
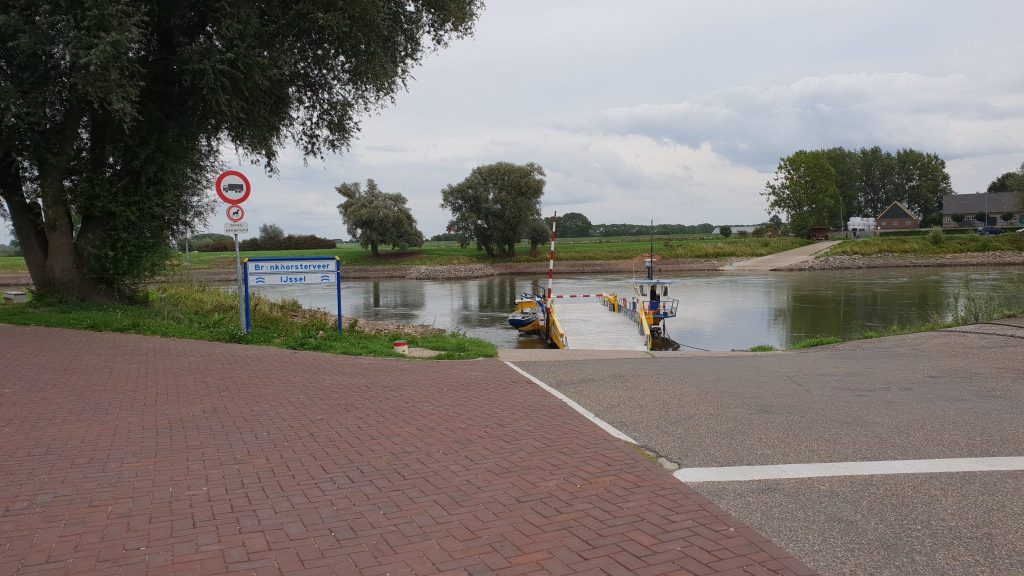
{"x":718,"y":310}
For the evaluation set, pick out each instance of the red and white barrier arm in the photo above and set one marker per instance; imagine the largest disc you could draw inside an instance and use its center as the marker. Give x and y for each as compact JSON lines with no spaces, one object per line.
{"x":551,"y":256}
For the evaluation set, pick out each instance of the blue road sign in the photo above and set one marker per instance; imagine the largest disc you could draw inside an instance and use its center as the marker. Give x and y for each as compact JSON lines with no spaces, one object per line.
{"x":316,"y":270}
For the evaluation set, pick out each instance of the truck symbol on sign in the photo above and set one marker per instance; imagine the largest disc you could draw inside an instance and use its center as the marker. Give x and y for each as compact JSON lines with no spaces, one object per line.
{"x":234,"y":188}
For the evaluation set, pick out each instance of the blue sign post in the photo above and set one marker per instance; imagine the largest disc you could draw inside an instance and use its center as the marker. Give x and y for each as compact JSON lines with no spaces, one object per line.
{"x":313,"y":271}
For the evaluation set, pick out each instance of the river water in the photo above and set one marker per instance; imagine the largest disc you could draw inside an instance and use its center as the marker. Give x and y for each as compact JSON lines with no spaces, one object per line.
{"x":717,"y":311}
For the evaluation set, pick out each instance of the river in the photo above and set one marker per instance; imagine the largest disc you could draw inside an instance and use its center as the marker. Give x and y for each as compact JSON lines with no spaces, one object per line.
{"x":717,"y":311}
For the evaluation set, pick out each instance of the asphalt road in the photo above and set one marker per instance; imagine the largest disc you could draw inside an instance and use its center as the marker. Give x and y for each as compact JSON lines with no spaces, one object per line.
{"x":922,"y":396}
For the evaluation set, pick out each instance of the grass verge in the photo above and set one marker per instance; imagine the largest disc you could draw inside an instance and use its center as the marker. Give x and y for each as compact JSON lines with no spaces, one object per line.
{"x":201,"y":312}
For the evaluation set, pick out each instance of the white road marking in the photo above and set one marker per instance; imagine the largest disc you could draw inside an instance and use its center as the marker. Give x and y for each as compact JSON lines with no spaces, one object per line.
{"x":572,"y":403}
{"x":780,"y":471}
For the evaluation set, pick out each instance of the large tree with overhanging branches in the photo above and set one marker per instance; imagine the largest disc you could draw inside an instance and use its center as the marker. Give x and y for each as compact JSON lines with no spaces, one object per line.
{"x":113,"y":113}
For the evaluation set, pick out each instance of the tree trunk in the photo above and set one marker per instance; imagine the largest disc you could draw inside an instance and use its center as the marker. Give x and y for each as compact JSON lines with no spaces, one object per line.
{"x":374,"y":249}
{"x":45,"y":230}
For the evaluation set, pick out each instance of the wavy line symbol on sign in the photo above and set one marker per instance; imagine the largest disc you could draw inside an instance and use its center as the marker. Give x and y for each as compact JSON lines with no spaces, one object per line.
{"x":325,"y":279}
{"x":260,"y":280}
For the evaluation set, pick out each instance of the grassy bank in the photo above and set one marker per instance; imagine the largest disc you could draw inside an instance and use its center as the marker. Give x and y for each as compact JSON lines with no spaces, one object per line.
{"x":203,"y":313}
{"x":929,"y":245}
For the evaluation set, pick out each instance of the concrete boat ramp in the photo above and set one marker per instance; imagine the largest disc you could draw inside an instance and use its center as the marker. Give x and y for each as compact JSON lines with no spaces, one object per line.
{"x":780,"y":260}
{"x":589,"y":325}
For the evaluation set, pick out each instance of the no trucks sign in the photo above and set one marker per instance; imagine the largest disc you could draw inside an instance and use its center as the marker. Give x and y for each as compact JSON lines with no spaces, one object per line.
{"x":233,"y":187}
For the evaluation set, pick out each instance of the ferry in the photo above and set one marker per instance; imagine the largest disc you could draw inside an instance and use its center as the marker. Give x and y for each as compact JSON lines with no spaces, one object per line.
{"x":645,"y":312}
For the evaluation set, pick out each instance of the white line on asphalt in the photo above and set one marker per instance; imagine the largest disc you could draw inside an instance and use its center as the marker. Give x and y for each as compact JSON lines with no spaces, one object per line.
{"x":572,"y":403}
{"x":781,"y":471}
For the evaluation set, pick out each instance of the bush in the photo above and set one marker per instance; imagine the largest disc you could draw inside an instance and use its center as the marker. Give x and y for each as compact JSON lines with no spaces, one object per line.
{"x":743,"y":234}
{"x":725,"y":231}
{"x":289,"y":242}
{"x":936,"y":237}
{"x":218,"y":245}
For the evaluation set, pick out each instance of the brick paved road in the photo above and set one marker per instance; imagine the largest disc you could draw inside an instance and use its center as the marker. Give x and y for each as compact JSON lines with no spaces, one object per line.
{"x":125,"y":454}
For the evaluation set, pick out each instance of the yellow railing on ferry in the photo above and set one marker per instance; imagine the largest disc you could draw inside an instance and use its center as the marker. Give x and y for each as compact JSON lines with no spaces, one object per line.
{"x":645,"y":327}
{"x":555,"y":333}
{"x":611,"y":301}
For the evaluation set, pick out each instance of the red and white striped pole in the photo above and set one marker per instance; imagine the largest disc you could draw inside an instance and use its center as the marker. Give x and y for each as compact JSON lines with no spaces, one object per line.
{"x":551,"y":257}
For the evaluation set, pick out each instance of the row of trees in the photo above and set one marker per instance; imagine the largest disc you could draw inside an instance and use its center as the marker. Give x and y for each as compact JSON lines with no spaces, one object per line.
{"x":496,"y":206}
{"x":824,"y":187}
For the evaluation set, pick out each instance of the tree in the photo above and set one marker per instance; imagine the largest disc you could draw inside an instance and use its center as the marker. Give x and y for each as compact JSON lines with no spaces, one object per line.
{"x":921,"y":182}
{"x":775,"y":221}
{"x":537,"y":233}
{"x":271,"y":232}
{"x":849,"y":178}
{"x":113,"y":112}
{"x":572,"y":225}
{"x":1009,"y":182}
{"x":495,"y":204}
{"x":804,"y":189}
{"x":376,"y":218}
{"x":958,"y":218}
{"x":980,"y":216}
{"x":869,"y":180}
{"x":725,"y":231}
{"x":1006,"y":216}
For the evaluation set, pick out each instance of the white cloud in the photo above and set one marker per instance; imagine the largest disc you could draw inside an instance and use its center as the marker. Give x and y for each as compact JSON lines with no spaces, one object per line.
{"x":950,"y":115}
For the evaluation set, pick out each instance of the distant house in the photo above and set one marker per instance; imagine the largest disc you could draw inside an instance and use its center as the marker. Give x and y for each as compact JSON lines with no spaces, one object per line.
{"x":994,"y":205}
{"x":897,"y":217}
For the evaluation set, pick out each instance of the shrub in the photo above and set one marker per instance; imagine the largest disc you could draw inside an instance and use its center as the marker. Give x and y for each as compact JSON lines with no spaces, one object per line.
{"x":936,"y":237}
{"x":725,"y":231}
{"x":289,"y":242}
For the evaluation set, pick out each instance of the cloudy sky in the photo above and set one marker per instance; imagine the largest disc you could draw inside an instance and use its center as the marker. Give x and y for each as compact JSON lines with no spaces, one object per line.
{"x":685,"y":104}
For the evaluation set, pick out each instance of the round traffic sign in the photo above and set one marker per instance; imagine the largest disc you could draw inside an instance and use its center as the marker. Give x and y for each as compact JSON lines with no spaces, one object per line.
{"x":235,"y":213}
{"x":233,"y":187}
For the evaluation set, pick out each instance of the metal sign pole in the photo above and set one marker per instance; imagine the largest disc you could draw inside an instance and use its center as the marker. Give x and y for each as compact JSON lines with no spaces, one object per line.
{"x":248,"y":303}
{"x":238,"y":275}
{"x":337,"y":281}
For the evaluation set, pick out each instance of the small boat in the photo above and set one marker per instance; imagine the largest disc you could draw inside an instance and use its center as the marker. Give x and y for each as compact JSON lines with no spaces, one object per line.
{"x":529,"y":315}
